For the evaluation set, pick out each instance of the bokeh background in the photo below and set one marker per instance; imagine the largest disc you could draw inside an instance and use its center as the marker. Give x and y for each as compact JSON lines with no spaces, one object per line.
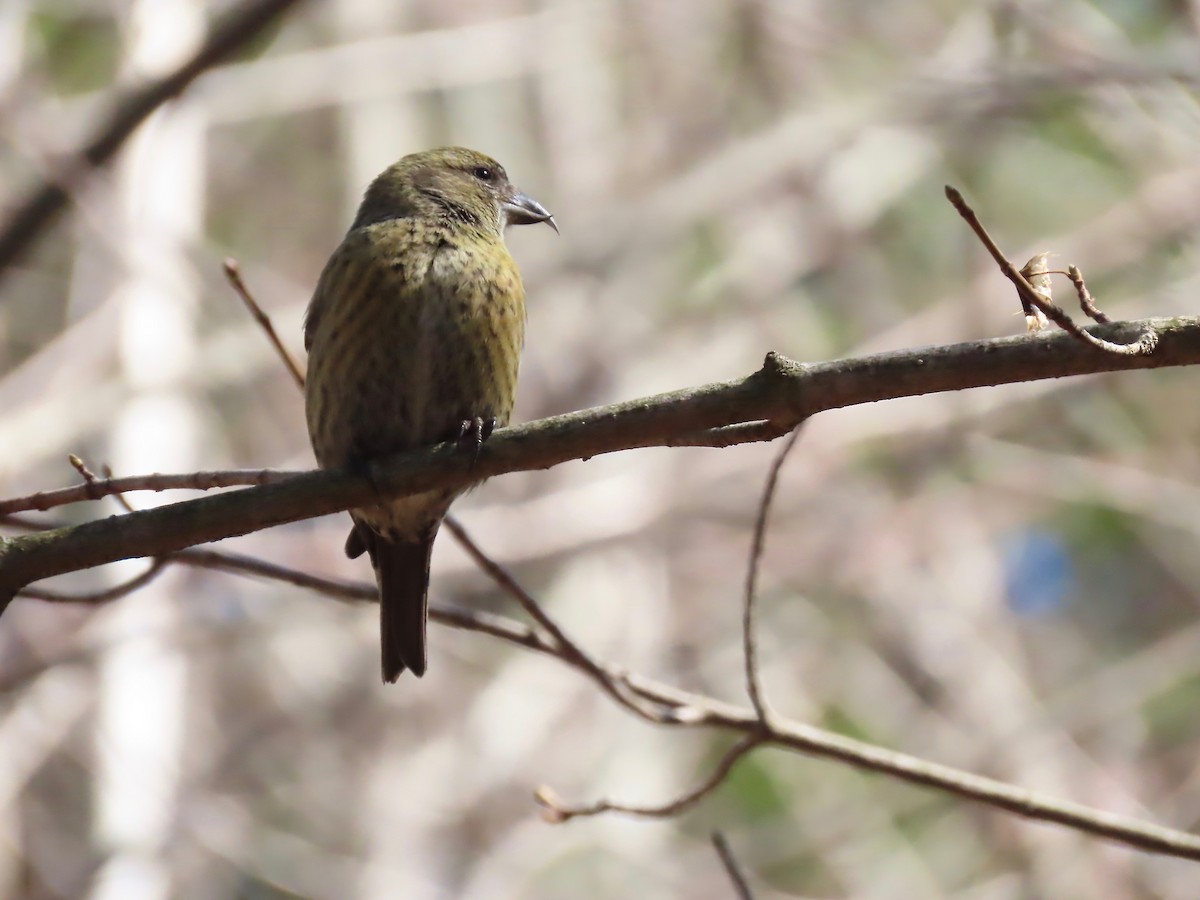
{"x":1005,"y":580}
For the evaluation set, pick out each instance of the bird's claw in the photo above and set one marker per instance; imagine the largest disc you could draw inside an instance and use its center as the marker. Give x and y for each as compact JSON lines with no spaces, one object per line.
{"x":475,"y":431}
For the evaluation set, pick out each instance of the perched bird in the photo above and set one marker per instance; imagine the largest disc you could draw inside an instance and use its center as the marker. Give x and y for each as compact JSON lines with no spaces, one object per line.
{"x":414,"y":336}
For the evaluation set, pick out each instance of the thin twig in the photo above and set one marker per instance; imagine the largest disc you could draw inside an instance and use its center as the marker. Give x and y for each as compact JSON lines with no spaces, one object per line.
{"x":97,"y":488}
{"x":1142,"y":346}
{"x":119,"y":497}
{"x":98,"y":597}
{"x":556,"y":811}
{"x":355,"y":592}
{"x":741,"y":886}
{"x":233,"y":274}
{"x":1086,"y":301}
{"x":609,"y":681}
{"x":92,"y":481}
{"x":89,"y":477}
{"x":27,"y":523}
{"x":754,"y":688}
{"x":361,"y":591}
{"x":697,"y":710}
{"x":239,"y":563}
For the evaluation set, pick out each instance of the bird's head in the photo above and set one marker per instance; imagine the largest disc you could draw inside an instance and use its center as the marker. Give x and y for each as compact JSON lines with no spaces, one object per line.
{"x":450,"y":182}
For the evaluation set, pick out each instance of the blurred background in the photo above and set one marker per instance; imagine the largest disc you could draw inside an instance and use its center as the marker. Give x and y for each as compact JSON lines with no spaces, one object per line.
{"x":1004,"y":580}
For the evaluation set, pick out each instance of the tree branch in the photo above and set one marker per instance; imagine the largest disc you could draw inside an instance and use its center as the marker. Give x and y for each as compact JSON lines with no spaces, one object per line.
{"x":698,"y":711}
{"x":782,"y":391}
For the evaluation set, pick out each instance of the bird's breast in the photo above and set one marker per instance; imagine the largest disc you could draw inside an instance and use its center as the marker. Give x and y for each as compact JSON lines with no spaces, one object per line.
{"x":429,"y":337}
{"x":473,"y":332}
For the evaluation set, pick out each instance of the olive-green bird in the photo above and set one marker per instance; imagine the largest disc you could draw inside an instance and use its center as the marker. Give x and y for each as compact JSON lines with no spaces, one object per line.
{"x":414,"y":336}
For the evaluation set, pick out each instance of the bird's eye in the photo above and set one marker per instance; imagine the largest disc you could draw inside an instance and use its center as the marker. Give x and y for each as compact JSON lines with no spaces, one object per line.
{"x":483,"y":173}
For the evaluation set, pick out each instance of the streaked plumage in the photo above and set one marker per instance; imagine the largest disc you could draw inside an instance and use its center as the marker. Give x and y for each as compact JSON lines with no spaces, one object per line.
{"x":414,"y":337}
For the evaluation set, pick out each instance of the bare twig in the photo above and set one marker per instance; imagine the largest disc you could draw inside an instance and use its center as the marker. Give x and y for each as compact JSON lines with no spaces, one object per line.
{"x":1086,"y":301}
{"x":697,"y":710}
{"x":741,"y":886}
{"x":754,"y":688}
{"x":107,"y":595}
{"x":362,"y":591}
{"x":244,"y":23}
{"x":1143,"y":345}
{"x":96,"y":488}
{"x":334,"y":588}
{"x":120,"y":498}
{"x":610,"y":682}
{"x":556,"y":811}
{"x":27,"y":523}
{"x":89,"y":477}
{"x":233,"y":273}
{"x":783,"y":390}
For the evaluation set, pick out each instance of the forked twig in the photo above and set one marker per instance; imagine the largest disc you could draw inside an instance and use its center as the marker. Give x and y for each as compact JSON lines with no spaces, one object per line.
{"x":705,"y":711}
{"x":1086,"y":301}
{"x":1030,"y":296}
{"x":556,"y":811}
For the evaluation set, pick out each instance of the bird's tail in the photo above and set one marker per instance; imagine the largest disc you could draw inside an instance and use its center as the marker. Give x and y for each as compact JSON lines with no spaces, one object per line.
{"x":402,"y":570}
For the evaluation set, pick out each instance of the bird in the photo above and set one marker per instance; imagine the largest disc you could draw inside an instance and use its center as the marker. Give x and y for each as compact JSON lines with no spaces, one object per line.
{"x":414,"y":337}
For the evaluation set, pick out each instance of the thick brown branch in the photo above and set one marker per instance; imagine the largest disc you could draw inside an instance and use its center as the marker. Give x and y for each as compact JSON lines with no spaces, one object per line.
{"x":782,"y":391}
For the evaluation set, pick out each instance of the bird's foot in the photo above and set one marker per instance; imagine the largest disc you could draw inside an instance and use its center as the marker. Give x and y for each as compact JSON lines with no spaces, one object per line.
{"x":473,"y":432}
